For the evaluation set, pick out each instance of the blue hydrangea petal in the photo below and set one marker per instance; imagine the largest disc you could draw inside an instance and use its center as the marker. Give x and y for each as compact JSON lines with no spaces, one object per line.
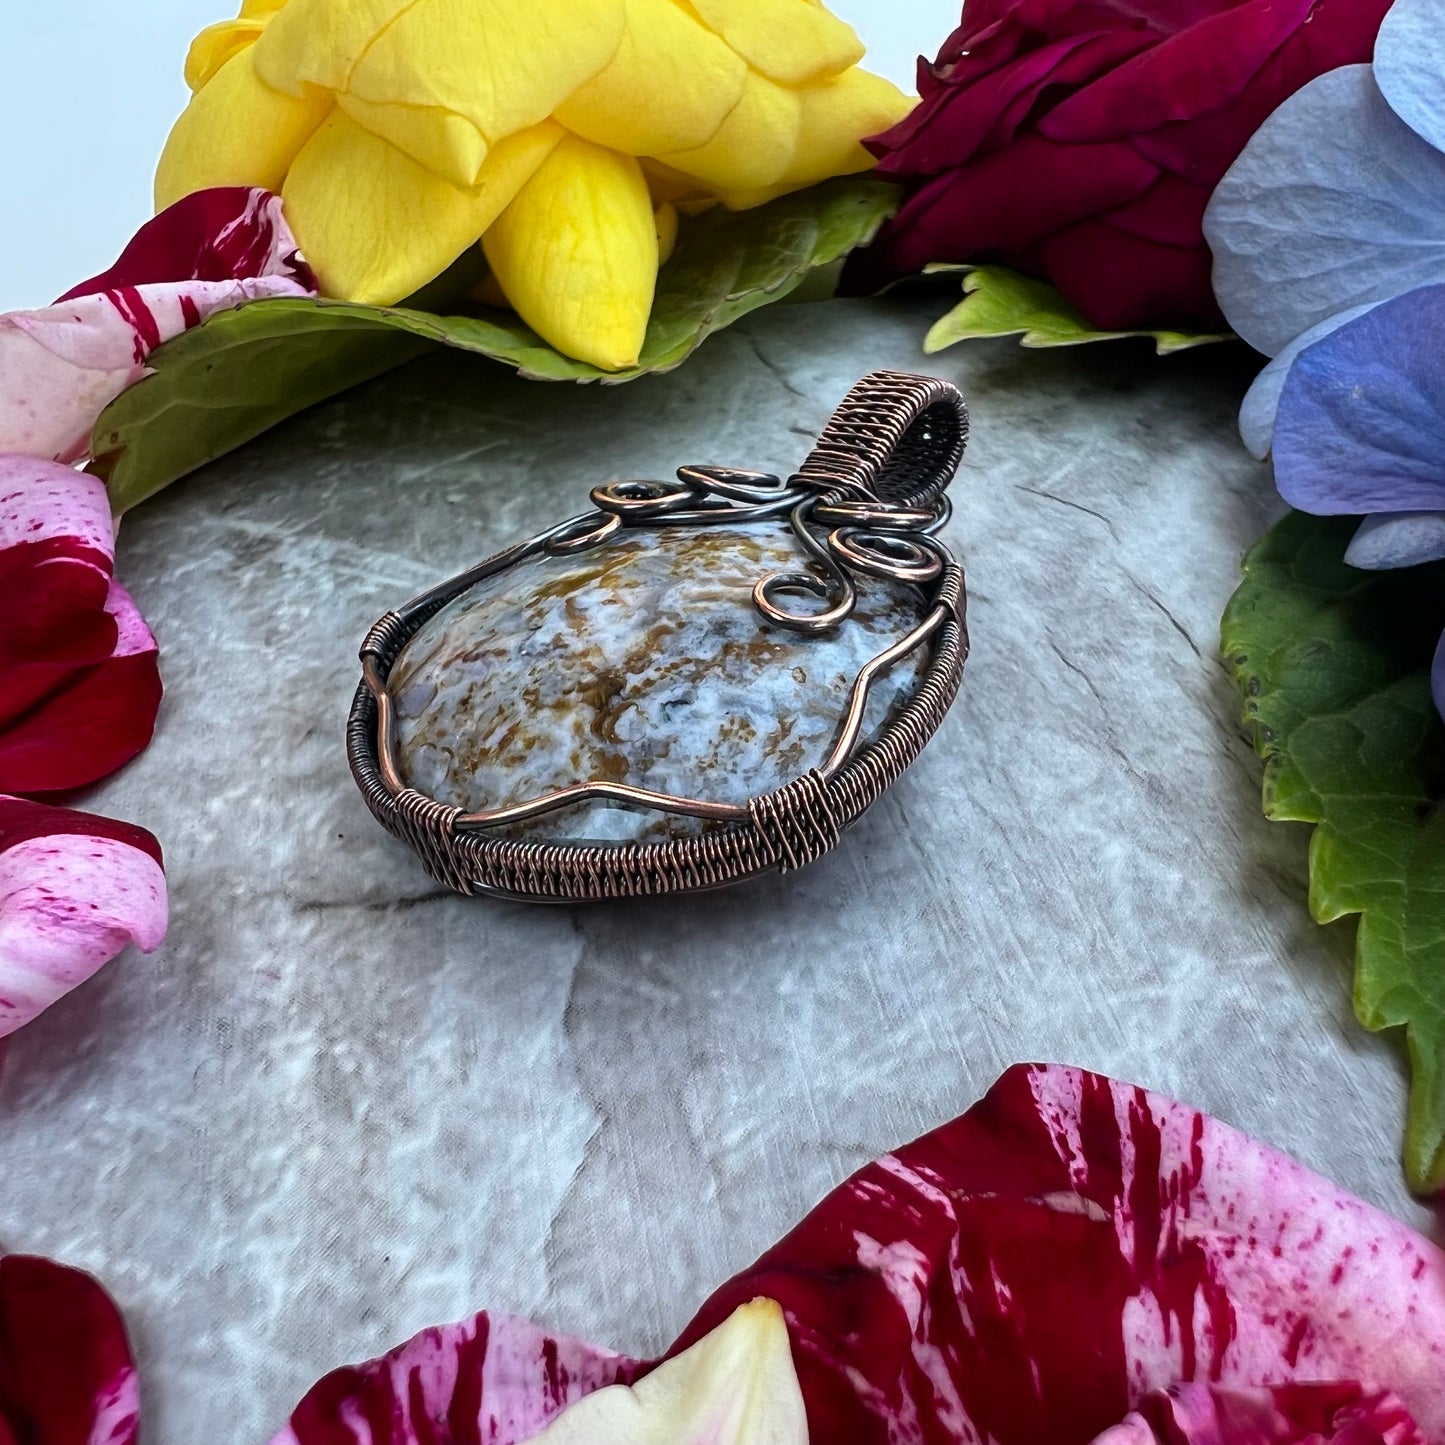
{"x":1261,"y":401}
{"x":1361,"y":421}
{"x":1397,"y":539}
{"x":1334,"y":202}
{"x":1410,"y":66}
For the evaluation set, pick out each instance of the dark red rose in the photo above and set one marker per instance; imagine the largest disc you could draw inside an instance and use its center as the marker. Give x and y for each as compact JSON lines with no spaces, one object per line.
{"x":1079,"y":141}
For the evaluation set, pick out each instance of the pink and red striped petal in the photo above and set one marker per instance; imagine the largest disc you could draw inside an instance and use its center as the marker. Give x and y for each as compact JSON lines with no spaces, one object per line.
{"x":59,"y":366}
{"x":75,"y":889}
{"x":1325,"y":1414}
{"x":79,"y":680}
{"x":213,"y":235}
{"x":491,"y":1380}
{"x":1072,"y":1259}
{"x":66,"y":1373}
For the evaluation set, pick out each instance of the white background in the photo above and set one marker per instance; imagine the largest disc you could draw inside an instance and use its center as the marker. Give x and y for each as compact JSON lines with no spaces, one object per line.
{"x":91,"y":88}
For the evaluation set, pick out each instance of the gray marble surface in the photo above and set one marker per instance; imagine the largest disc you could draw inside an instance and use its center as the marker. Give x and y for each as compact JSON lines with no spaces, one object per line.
{"x":339,"y":1105}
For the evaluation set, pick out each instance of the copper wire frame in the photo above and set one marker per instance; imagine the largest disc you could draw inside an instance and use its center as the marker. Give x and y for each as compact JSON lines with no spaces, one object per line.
{"x":868,"y":501}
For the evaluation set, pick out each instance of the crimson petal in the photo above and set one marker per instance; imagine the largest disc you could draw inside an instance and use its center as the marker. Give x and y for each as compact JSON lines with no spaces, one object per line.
{"x":1031,"y":1271}
{"x":79,"y":682}
{"x":66,"y":1374}
{"x":221,"y":234}
{"x":90,"y":721}
{"x":1029,"y":1275}
{"x":491,"y":1380}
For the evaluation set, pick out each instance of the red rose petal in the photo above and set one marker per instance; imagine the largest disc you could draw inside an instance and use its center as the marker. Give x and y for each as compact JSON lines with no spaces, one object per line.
{"x":1028,"y":1275}
{"x":1038,"y":1266}
{"x":22,"y":820}
{"x":222,"y":234}
{"x":66,"y":1374}
{"x":1193,"y":72}
{"x":1122,"y":89}
{"x":998,"y":205}
{"x":492,"y":1380}
{"x":1124,"y":282}
{"x":95,"y":721}
{"x":1169,"y":213}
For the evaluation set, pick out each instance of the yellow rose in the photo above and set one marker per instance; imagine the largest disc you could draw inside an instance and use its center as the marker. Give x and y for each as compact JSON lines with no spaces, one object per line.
{"x":562,"y":134}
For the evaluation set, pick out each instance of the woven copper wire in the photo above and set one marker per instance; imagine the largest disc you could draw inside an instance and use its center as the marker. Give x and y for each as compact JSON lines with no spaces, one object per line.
{"x":896,"y":437}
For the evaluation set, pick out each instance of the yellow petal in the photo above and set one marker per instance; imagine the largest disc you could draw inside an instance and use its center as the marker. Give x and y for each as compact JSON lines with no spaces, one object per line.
{"x":665,"y":222}
{"x":376,"y":226}
{"x":753,"y":146}
{"x":318,"y":42}
{"x":669,"y":87}
{"x":215,"y":45}
{"x":502,"y":64}
{"x":835,"y":116}
{"x":687,"y":193}
{"x":790,"y":41}
{"x":441,"y":140}
{"x":488,"y":292}
{"x":236,"y":131}
{"x":576,"y":253}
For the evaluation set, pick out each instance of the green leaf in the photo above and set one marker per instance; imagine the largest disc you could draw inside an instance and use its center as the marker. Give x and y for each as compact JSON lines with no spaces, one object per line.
{"x":1000,"y":302}
{"x":1334,"y":665}
{"x":242,"y":371}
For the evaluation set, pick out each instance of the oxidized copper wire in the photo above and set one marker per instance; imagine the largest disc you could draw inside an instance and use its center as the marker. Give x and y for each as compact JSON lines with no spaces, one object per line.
{"x":868,"y":501}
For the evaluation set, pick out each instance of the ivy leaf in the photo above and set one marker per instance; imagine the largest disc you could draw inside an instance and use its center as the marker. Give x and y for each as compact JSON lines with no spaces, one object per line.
{"x":242,"y":371}
{"x":1000,"y":302}
{"x":1334,"y":665}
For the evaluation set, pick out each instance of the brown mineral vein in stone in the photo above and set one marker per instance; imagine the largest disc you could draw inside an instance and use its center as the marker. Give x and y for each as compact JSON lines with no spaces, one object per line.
{"x":643,"y":662}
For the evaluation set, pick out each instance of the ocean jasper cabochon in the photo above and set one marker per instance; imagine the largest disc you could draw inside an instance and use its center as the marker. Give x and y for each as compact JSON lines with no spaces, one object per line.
{"x":641,"y":661}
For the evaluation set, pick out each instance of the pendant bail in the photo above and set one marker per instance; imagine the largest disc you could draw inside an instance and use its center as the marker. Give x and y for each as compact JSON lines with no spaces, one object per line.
{"x":897,"y":436}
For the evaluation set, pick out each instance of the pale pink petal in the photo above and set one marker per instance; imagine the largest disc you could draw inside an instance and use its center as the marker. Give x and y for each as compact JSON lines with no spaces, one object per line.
{"x":60,"y":366}
{"x":41,"y":502}
{"x":49,"y":403}
{"x":1306,"y":1414}
{"x":133,"y":633}
{"x":70,"y":900}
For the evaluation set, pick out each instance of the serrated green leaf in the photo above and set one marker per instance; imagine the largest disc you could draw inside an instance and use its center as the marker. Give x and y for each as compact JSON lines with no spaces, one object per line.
{"x":1334,"y":664}
{"x":1000,"y":302}
{"x":242,"y":371}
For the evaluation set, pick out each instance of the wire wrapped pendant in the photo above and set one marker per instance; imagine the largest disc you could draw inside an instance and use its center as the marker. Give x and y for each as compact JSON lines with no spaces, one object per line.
{"x":692,"y":684}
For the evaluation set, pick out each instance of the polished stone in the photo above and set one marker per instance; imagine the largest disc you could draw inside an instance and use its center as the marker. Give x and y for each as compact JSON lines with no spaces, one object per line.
{"x":341,"y":1104}
{"x":642,"y":661}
